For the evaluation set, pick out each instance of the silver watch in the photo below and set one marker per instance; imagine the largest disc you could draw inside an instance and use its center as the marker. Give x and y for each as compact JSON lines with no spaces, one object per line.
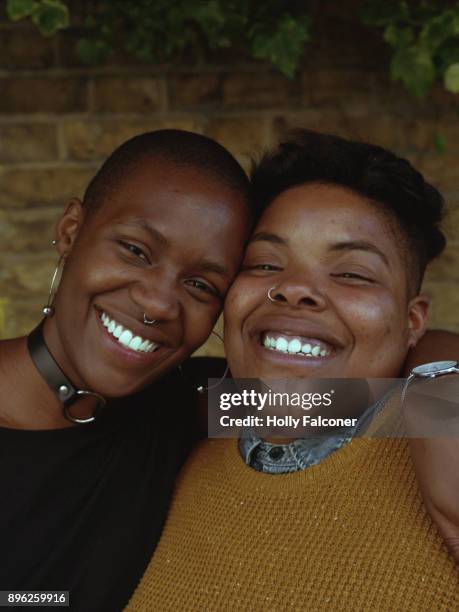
{"x":430,"y":370}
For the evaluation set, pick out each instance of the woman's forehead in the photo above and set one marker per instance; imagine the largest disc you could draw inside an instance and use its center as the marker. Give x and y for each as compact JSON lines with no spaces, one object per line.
{"x":333,"y":206}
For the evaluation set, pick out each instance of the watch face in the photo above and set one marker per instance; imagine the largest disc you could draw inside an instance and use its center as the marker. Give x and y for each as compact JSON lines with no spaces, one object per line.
{"x":434,"y":368}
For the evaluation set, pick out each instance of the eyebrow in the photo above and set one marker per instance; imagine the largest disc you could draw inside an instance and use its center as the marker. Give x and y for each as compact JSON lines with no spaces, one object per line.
{"x":211,"y":266}
{"x":360,"y":245}
{"x":266,"y":236}
{"x":352,"y":245}
{"x":203,"y":266}
{"x":154,"y":233}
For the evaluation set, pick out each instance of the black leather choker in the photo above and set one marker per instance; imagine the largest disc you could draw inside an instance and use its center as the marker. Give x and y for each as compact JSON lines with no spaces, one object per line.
{"x":55,"y":377}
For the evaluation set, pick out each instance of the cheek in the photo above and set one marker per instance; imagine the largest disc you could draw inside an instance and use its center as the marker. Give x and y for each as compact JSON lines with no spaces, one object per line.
{"x":240,"y":301}
{"x":373,"y":318}
{"x":198,"y":325}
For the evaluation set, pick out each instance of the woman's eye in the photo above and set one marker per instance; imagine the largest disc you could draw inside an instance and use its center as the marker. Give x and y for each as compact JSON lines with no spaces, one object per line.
{"x":204,"y":287}
{"x":135,"y":250}
{"x":353,"y":276}
{"x":264,"y":267}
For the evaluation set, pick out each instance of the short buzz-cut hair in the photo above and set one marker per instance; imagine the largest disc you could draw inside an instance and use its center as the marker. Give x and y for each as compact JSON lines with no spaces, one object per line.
{"x":387,"y":181}
{"x":178,"y":147}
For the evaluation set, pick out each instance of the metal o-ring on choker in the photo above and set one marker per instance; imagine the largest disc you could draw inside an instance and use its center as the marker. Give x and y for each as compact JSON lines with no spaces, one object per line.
{"x":55,"y":378}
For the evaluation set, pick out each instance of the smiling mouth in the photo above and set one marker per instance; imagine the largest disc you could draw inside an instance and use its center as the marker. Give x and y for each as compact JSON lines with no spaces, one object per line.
{"x":295,"y":345}
{"x":126,"y":337}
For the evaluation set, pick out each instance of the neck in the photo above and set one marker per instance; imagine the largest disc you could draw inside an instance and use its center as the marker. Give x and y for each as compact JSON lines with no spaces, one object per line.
{"x":31,"y":403}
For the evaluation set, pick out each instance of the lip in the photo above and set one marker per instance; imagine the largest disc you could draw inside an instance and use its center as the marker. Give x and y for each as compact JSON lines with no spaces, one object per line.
{"x":295,"y":327}
{"x":124,"y":353}
{"x":147,"y":333}
{"x":276,"y":357}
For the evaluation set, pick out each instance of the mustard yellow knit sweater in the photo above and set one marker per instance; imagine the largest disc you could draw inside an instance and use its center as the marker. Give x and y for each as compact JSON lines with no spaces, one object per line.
{"x":348,"y":534}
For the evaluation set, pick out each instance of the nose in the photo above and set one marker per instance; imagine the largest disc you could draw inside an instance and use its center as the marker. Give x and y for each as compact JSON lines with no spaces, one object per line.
{"x":297,"y":292}
{"x":156,"y":295}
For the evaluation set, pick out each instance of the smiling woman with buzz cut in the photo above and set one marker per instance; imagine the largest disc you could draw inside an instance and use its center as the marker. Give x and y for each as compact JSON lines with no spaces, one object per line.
{"x":145,"y":262}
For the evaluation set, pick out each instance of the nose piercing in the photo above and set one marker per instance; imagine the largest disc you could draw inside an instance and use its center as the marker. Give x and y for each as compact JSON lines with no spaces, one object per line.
{"x":270,"y":297}
{"x":148,"y":321}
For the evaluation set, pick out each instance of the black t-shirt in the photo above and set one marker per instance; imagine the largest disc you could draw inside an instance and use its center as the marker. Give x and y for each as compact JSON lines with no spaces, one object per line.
{"x":82,"y":508}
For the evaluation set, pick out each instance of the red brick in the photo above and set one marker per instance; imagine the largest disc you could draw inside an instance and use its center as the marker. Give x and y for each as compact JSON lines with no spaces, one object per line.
{"x":441,"y":170}
{"x":195,"y":91}
{"x":27,"y":276}
{"x":129,"y":94}
{"x":255,"y":90}
{"x":42,"y":186}
{"x":444,"y":306}
{"x":446,"y":267}
{"x":26,"y":230}
{"x":19,"y":317}
{"x":96,"y":139}
{"x":43,"y":95}
{"x":27,"y":142}
{"x":25,"y":48}
{"x":351,"y":90}
{"x":243,"y":136}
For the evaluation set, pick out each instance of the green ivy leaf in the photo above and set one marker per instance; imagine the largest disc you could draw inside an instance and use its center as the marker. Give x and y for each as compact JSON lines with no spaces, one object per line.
{"x":93,"y":52}
{"x":18,"y":9}
{"x":283,"y":47}
{"x":415,"y":68}
{"x":437,"y":30}
{"x":398,"y":37}
{"x":451,"y":78}
{"x":51,"y":16}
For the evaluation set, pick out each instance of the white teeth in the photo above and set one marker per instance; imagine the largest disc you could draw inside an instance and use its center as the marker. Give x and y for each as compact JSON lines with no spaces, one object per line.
{"x":126,"y":337}
{"x":281,"y":344}
{"x":144,"y":345}
{"x":294,"y":346}
{"x":135,"y":343}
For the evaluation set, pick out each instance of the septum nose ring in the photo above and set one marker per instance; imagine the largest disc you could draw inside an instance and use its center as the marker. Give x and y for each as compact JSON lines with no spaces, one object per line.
{"x":148,"y":321}
{"x":270,"y":297}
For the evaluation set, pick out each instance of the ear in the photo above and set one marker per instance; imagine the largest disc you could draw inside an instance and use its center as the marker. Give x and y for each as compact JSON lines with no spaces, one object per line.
{"x":69,"y":225}
{"x":418,"y":310}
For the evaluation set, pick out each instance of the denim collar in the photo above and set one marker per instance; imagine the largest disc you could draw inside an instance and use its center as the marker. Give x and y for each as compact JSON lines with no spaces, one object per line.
{"x":282,"y":458}
{"x":303,"y":452}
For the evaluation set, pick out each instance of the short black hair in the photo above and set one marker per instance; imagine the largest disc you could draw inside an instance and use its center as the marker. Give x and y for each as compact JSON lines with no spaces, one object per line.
{"x":388,"y":181}
{"x":179,"y":147}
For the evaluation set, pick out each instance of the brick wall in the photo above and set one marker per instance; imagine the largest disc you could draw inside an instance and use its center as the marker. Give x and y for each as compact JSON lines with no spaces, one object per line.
{"x":59,"y":120}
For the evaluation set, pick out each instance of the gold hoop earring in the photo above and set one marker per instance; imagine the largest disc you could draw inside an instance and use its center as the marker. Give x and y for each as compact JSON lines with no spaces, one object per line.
{"x":48,"y":310}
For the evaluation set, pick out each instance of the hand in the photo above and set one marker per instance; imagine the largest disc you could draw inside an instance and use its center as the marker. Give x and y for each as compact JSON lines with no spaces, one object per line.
{"x":431,"y":415}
